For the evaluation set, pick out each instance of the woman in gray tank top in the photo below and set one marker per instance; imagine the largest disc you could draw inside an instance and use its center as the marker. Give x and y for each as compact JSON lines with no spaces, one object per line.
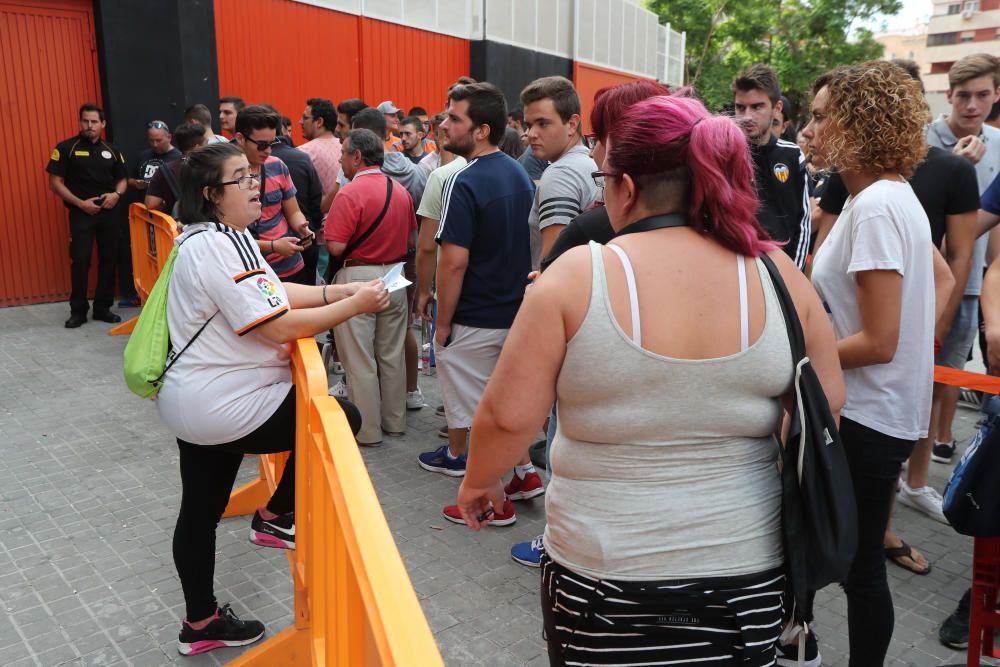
{"x":668,"y":355}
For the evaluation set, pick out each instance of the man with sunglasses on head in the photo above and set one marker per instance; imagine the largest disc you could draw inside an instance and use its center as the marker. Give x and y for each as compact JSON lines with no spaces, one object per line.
{"x":282,"y":232}
{"x":160,"y":151}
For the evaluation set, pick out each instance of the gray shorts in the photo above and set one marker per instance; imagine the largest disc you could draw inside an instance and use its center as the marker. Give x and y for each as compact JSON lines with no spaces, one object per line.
{"x":464,"y":367}
{"x":957,"y":344}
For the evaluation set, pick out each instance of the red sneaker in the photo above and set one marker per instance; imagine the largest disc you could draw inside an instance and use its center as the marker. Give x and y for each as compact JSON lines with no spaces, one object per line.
{"x":504,"y":518}
{"x":522,"y":489}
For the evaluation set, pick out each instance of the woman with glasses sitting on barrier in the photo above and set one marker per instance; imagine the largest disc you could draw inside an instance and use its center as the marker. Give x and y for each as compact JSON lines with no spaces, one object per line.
{"x":667,"y":353}
{"x":230,"y":393}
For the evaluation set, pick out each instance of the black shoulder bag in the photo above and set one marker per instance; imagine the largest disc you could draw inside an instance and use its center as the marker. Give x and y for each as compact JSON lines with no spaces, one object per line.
{"x":818,"y":513}
{"x":337,"y":262}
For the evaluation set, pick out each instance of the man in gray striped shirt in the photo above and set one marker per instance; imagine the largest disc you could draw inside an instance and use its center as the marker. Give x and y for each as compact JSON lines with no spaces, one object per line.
{"x":566,"y":189}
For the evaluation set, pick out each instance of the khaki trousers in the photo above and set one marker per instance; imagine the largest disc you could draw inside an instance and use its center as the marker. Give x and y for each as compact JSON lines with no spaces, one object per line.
{"x":371,"y":349}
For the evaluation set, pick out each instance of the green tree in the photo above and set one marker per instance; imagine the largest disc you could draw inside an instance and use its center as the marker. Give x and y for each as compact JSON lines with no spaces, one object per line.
{"x":801,"y":39}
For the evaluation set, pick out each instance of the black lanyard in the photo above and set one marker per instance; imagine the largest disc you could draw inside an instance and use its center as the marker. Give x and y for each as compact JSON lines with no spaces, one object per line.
{"x":663,"y":221}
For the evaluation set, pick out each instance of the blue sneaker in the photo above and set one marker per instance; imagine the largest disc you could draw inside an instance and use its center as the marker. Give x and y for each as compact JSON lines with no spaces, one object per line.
{"x":130,"y":302}
{"x":440,"y":461}
{"x":528,"y":553}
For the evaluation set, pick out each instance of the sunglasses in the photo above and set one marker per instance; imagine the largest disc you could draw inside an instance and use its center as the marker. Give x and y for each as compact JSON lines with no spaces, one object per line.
{"x":261,"y":145}
{"x":156,"y":125}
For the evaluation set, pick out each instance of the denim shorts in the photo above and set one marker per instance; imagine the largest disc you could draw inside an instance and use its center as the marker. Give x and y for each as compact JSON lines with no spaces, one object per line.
{"x":956,"y":345}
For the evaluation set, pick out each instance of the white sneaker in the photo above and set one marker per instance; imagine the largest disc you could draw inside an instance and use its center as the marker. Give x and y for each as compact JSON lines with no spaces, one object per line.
{"x":415,"y":399}
{"x":339,"y":390}
{"x":924,"y":499}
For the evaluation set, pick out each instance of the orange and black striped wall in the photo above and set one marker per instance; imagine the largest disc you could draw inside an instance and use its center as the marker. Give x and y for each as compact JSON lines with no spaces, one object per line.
{"x":146,"y":60}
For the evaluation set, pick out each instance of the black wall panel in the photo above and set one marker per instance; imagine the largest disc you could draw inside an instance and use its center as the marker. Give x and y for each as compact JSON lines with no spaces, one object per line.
{"x":511,"y":68}
{"x":156,"y":58}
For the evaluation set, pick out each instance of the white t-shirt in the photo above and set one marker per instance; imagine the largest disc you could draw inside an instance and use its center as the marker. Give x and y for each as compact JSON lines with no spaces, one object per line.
{"x":565,"y":190}
{"x":430,"y":202}
{"x":231,"y":379}
{"x":884,"y":228}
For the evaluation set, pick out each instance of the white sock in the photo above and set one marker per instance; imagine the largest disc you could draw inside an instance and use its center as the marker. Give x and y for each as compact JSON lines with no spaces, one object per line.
{"x":521,"y":471}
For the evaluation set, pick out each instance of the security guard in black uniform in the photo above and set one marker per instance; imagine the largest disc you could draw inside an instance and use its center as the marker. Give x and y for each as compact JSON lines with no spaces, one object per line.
{"x":89,"y":174}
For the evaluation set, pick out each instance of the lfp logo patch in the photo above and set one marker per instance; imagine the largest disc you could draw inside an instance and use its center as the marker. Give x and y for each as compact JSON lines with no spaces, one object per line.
{"x":265,"y":286}
{"x":781,"y":172}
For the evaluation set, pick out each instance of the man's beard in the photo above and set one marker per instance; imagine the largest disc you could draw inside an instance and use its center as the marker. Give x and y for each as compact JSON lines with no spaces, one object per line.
{"x":461,"y":146}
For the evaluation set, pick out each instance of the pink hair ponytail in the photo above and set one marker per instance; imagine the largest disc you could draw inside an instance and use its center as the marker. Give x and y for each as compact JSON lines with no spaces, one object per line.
{"x":663,"y":134}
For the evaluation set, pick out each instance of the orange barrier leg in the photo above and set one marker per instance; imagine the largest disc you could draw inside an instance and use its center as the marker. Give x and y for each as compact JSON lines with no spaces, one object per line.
{"x":125,"y":327}
{"x":246,"y":499}
{"x":288,"y":647}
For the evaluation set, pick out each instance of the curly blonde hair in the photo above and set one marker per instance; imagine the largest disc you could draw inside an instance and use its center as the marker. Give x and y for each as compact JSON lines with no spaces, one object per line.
{"x":875,"y":120}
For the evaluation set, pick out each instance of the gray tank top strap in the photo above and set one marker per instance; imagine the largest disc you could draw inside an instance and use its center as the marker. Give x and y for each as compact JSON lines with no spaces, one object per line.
{"x":741,"y":268}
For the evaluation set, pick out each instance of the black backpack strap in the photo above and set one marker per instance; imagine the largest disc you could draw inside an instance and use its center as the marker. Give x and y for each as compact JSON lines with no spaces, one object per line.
{"x":792,"y":324}
{"x":184,"y":349}
{"x":198,"y":333}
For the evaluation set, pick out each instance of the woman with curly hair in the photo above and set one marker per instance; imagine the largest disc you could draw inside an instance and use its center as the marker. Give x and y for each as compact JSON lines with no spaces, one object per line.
{"x":875,"y":275}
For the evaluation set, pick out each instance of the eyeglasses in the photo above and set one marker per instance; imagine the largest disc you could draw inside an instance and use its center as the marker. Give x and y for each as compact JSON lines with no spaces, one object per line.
{"x":243,"y":182}
{"x":262,"y":145}
{"x":599,"y":177}
{"x":157,"y":125}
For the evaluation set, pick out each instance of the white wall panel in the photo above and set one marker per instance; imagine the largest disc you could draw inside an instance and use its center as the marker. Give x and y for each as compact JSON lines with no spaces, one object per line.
{"x":618,"y":34}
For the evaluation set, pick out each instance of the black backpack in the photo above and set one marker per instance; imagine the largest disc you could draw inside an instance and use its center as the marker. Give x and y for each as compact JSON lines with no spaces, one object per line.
{"x":818,"y":511}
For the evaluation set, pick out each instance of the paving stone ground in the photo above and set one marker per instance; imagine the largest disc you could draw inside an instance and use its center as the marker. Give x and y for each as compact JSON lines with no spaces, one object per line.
{"x":89,"y":491}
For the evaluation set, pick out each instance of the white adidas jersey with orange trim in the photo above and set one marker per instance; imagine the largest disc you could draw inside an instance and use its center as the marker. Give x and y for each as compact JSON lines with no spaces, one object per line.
{"x":231,"y":379}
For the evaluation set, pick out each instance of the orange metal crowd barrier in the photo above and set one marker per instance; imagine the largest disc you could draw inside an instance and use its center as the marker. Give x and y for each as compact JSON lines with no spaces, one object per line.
{"x":153,"y":235}
{"x":967,"y":379}
{"x":354,"y":603}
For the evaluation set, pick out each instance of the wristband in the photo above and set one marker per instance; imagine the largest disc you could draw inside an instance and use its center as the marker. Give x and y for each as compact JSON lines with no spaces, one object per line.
{"x":325,"y":302}
{"x":272,"y":247}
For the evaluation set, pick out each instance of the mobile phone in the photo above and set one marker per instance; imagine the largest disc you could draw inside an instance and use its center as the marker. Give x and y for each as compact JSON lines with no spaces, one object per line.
{"x":99,"y":201}
{"x":485,"y":515}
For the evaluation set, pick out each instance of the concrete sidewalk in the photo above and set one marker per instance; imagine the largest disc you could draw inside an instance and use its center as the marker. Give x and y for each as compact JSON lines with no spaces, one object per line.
{"x":90,"y":491}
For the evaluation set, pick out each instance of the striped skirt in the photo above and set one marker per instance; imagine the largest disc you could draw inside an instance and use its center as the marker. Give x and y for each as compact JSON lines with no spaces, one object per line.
{"x":714,"y":621}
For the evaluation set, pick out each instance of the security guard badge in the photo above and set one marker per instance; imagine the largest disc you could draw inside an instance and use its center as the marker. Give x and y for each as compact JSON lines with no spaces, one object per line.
{"x":55,"y":155}
{"x":781,"y":172}
{"x":107,"y":156}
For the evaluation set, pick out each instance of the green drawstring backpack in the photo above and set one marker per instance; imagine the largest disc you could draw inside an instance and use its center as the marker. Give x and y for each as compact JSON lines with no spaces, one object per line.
{"x":145,"y":357}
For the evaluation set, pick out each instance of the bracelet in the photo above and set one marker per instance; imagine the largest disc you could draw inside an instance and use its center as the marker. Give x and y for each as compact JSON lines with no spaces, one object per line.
{"x":325,"y":302}
{"x":272,"y":246}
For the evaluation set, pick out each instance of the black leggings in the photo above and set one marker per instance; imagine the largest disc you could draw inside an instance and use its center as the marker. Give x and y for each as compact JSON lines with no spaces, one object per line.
{"x":875,"y":460}
{"x":208,"y":473}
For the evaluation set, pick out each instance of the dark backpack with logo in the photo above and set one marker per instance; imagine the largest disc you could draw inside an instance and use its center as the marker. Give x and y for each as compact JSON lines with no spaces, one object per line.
{"x":972,"y":497}
{"x":818,"y":511}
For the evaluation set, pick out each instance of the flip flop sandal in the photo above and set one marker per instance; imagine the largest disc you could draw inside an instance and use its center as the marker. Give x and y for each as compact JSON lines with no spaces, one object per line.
{"x":896,"y":554}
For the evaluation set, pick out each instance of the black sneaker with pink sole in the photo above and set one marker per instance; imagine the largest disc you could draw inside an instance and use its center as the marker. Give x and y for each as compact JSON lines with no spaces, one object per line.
{"x":226,"y":629}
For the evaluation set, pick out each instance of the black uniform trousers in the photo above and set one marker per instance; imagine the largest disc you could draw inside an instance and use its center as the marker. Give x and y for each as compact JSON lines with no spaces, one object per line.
{"x":84,"y":230}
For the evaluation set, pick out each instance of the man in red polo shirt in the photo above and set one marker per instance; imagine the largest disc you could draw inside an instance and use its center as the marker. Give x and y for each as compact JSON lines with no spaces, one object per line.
{"x":371,"y":346}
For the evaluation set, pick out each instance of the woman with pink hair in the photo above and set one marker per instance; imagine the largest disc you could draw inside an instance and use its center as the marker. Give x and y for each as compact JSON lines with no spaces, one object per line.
{"x":667,"y":353}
